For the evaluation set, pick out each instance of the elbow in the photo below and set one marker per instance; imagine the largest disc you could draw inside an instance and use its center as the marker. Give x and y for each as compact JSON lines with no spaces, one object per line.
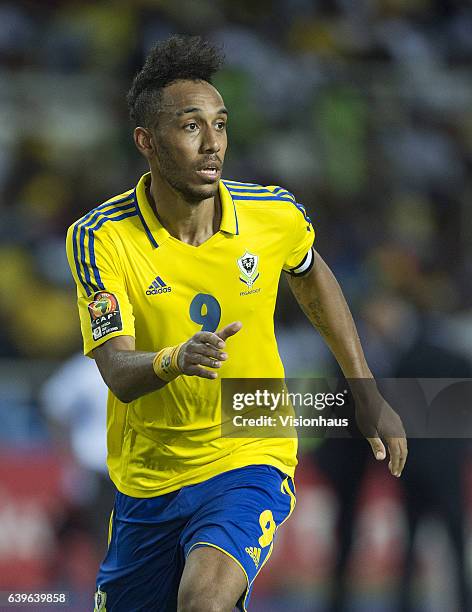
{"x":115,"y":373}
{"x":121,"y":391}
{"x":123,"y":395}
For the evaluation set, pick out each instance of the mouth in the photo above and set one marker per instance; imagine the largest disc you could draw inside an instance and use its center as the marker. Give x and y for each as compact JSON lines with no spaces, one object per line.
{"x":210,"y":173}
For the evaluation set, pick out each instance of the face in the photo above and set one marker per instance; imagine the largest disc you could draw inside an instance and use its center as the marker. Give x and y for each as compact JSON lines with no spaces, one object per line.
{"x":190,"y":139}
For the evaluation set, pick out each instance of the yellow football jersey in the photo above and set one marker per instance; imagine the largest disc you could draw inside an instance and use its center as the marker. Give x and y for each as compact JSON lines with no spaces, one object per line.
{"x":134,"y":278}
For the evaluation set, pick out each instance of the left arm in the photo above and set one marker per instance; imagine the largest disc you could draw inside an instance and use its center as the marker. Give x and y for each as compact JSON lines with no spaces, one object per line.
{"x":322,"y":300}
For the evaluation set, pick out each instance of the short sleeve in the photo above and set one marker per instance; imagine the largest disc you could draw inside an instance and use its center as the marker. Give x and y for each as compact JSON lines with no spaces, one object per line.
{"x":104,"y":307}
{"x":299,"y":257}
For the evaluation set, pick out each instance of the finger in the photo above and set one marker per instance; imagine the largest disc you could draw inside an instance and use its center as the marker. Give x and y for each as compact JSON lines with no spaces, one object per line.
{"x":404,"y":453}
{"x":229,"y":330}
{"x":398,"y":453}
{"x":378,"y":448}
{"x":209,"y":351}
{"x":196,"y":359}
{"x":208,"y":338}
{"x":202,"y":372}
{"x":394,"y":450}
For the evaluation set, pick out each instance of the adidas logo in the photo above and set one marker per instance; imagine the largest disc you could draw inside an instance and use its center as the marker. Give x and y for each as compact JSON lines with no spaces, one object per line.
{"x":158,"y":286}
{"x":254,"y":553}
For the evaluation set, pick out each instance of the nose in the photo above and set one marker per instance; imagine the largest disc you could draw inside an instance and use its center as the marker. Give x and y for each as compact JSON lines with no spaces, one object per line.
{"x":210,"y":141}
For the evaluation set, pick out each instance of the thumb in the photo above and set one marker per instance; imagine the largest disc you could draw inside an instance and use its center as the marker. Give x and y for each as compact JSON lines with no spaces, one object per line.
{"x":229,"y":330}
{"x":378,"y":448}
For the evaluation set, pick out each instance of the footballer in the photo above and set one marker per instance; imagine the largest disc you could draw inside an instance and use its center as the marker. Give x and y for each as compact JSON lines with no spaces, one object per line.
{"x":177,"y":281}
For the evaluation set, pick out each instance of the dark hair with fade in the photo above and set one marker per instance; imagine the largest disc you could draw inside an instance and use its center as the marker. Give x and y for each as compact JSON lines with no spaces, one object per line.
{"x":178,"y":57}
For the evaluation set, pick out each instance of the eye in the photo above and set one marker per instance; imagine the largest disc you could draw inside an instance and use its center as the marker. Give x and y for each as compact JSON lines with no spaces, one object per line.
{"x":191,"y":127}
{"x":220,"y":125}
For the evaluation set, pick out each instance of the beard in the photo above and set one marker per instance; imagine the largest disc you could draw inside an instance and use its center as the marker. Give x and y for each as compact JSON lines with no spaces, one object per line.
{"x":192,"y":194}
{"x":173,"y":174}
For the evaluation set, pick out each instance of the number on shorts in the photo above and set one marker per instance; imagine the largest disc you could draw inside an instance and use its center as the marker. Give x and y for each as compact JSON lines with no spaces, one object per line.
{"x":268,"y":527}
{"x":206,"y":311}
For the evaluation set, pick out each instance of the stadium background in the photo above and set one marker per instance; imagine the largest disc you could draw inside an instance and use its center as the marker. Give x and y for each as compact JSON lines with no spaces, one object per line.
{"x":364,"y":110}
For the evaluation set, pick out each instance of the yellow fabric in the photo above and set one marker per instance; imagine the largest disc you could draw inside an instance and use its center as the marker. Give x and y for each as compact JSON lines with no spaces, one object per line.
{"x":166,"y":291}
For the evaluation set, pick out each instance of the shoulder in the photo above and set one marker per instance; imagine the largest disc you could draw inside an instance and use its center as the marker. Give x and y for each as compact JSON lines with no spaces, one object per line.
{"x":117,"y":208}
{"x":270,"y":200}
{"x":258,"y":194}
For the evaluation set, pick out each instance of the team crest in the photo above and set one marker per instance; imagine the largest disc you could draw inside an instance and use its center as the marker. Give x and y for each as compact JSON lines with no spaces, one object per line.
{"x":248,"y":266}
{"x":100,"y":601}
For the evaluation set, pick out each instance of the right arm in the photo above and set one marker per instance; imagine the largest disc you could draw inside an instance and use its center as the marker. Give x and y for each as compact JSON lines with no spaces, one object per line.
{"x":129,"y":374}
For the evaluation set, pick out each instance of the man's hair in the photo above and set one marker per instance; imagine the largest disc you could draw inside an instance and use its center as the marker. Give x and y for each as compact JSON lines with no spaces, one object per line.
{"x":178,"y":57}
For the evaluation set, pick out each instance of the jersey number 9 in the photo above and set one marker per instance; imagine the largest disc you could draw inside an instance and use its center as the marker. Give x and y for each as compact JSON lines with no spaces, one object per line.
{"x":206,"y":311}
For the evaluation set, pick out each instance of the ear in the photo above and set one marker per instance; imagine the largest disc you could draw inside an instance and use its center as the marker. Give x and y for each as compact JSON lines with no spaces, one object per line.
{"x":144,"y":142}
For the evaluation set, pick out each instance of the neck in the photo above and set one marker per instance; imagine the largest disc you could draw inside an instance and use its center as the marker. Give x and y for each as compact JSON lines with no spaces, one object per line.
{"x":192,"y":223}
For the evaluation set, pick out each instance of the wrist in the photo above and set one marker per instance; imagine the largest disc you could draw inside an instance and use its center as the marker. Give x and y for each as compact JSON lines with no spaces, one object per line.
{"x":363,"y":390}
{"x":166,"y":363}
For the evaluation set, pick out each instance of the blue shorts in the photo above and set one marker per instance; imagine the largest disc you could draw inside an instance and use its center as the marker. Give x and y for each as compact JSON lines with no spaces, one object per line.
{"x":236,"y":512}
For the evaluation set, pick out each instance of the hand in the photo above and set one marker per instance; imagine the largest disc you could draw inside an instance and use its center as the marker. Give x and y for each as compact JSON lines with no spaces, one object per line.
{"x":378,"y":421}
{"x":206,"y":349}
